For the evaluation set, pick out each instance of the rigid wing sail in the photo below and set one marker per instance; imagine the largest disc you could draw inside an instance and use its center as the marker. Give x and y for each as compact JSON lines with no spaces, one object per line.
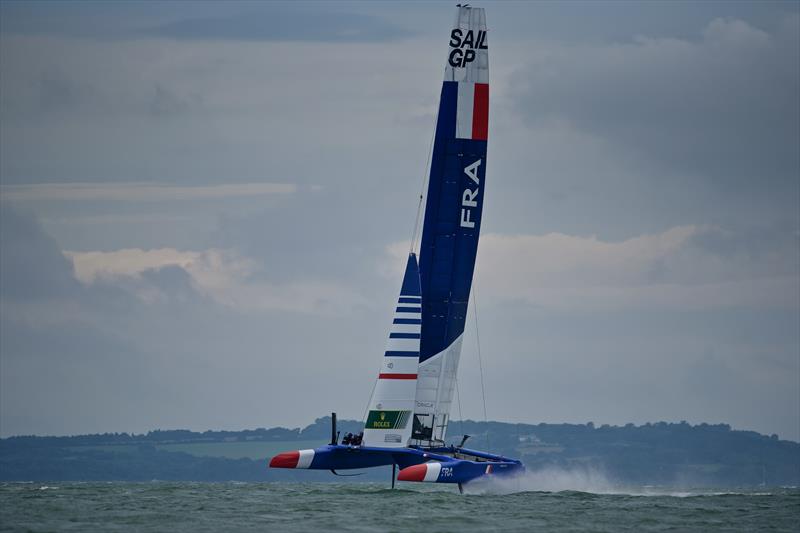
{"x":409,"y":411}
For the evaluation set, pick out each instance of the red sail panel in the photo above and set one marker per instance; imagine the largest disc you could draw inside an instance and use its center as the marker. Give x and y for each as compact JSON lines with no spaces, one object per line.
{"x":480,"y":112}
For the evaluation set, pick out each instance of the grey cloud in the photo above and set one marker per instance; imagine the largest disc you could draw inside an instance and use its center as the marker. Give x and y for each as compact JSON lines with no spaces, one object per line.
{"x":753,"y":241}
{"x":589,"y":21}
{"x":138,"y":192}
{"x":337,"y":233}
{"x":168,"y":287}
{"x":277,"y":22}
{"x":640,"y":134}
{"x":243,"y":21}
{"x":651,"y":364}
{"x":723,"y":108}
{"x":56,"y":358}
{"x":579,"y":20}
{"x":31,"y":265}
{"x":167,"y":102}
{"x":748,"y":252}
{"x":58,"y":92}
{"x":52,"y":374}
{"x":588,"y":158}
{"x":170,"y":277}
{"x":35,"y":274}
{"x":151,"y":348}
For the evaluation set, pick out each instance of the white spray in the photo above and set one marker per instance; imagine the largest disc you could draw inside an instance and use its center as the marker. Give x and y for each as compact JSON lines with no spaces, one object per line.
{"x":550,"y":479}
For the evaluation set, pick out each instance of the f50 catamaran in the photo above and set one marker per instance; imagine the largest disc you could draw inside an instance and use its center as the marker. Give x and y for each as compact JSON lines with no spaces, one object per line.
{"x":410,"y":406}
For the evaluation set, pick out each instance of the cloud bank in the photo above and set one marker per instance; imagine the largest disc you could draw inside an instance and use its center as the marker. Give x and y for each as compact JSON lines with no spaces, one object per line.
{"x":227,"y":194}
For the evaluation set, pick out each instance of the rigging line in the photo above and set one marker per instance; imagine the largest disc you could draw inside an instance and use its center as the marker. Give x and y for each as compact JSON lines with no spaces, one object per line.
{"x":416,"y":222}
{"x":460,"y":416}
{"x":369,"y":402}
{"x":480,"y":361}
{"x":425,"y":175}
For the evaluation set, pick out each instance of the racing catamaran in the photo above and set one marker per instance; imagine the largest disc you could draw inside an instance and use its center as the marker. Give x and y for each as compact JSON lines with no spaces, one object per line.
{"x":409,"y":410}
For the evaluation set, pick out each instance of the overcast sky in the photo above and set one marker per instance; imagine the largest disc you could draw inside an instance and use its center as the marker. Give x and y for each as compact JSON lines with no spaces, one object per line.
{"x":205,"y":209}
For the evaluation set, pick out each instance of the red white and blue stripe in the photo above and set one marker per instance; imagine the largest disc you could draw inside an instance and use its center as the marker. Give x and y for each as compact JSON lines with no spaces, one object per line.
{"x":472,"y":110}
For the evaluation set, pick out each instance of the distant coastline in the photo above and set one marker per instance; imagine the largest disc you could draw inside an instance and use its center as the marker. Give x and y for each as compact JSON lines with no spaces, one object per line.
{"x":661,"y":454}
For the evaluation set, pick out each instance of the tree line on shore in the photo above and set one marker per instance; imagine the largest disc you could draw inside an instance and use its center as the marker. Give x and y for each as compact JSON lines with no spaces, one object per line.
{"x":667,"y":454}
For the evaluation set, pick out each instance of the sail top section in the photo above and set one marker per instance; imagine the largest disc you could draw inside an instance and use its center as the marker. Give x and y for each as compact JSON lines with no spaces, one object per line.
{"x":468,"y":55}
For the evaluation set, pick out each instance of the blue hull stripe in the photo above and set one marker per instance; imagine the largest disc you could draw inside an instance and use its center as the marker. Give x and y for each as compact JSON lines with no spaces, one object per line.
{"x":410,"y":300}
{"x":407,"y":321}
{"x":392,"y":353}
{"x":404,"y":335}
{"x":407,"y":310}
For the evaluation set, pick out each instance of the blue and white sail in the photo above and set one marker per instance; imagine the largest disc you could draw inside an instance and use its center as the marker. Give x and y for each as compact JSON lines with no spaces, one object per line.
{"x":389,"y":417}
{"x":452,"y":220}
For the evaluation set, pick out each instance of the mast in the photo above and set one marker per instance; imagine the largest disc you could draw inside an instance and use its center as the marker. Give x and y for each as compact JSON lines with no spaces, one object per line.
{"x":452,"y":220}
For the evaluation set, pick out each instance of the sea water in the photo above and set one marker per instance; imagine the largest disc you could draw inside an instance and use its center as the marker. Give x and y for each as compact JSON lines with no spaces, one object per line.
{"x":342,"y":507}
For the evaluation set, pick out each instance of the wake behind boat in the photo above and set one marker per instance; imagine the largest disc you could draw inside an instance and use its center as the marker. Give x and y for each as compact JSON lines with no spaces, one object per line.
{"x":410,"y":406}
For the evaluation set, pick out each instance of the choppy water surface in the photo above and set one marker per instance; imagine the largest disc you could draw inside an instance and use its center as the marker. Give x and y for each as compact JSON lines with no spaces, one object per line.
{"x":167,"y":506}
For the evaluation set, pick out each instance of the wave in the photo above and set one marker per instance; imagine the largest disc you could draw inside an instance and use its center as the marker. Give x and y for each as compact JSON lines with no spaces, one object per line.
{"x":590,"y":481}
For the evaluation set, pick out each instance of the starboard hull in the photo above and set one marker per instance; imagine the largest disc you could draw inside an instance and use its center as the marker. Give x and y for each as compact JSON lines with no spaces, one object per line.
{"x":458,"y":471}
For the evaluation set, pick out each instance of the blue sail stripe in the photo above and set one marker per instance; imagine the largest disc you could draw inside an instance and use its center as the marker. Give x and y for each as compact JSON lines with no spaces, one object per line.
{"x":407,"y":321}
{"x":395,"y":353}
{"x":404,"y":335}
{"x":408,"y":310}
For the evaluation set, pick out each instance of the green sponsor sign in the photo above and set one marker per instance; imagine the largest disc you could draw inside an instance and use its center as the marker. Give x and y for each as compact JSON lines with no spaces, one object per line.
{"x":387,"y":419}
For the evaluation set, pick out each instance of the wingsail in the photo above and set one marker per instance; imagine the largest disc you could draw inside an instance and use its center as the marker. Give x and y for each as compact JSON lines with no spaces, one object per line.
{"x":452,"y":220}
